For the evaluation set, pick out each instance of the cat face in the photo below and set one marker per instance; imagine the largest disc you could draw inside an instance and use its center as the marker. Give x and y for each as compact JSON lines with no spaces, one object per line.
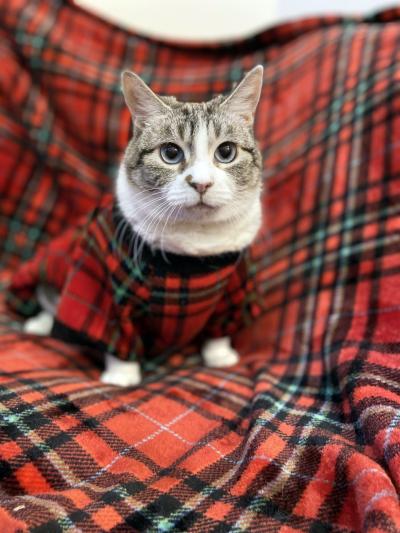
{"x":190,"y":161}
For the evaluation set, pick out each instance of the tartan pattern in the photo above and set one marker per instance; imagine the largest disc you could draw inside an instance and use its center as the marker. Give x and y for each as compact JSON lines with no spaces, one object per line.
{"x":127,"y":307}
{"x":304,"y":434}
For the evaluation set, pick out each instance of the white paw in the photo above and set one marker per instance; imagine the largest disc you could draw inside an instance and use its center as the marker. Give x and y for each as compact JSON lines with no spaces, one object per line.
{"x":122,"y":373}
{"x":40,"y":324}
{"x":218,"y":353}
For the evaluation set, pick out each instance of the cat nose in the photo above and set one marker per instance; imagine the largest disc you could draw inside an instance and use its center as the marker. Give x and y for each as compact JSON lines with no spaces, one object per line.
{"x":199,"y":187}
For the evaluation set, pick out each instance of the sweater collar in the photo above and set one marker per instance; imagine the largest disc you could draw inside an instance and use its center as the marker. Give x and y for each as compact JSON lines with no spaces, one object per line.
{"x":124,"y":236}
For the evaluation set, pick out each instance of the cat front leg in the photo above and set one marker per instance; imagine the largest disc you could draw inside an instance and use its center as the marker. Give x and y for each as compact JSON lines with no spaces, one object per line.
{"x":122,"y":373}
{"x":218,"y":353}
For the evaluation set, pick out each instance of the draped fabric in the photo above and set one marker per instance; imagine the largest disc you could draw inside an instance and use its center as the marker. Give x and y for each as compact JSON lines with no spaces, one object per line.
{"x":303,"y":434}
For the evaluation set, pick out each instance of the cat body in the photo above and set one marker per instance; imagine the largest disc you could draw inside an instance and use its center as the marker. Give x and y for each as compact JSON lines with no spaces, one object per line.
{"x":135,"y":308}
{"x":160,"y":264}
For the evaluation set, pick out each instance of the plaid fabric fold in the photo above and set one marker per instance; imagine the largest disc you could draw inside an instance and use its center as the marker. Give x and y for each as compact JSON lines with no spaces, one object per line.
{"x":303,"y":434}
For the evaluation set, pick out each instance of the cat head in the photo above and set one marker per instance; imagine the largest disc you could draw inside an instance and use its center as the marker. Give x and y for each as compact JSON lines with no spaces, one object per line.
{"x":191,"y":162}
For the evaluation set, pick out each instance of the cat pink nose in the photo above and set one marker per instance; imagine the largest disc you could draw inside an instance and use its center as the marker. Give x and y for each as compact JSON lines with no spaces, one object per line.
{"x":199,"y":187}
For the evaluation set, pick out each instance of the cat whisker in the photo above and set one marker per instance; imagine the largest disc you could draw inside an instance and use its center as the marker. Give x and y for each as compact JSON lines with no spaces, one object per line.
{"x":122,"y":235}
{"x":180,"y":207}
{"x":136,"y":236}
{"x":146,"y":225}
{"x":169,"y":215}
{"x":155,"y":199}
{"x":154,"y":219}
{"x":138,"y":240}
{"x":119,"y":227}
{"x":156,"y":211}
{"x":160,"y":216}
{"x":151,"y":202}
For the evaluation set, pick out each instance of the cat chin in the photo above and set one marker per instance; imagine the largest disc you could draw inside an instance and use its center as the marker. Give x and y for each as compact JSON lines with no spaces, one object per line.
{"x":219,"y":216}
{"x":191,"y":238}
{"x":205,"y":214}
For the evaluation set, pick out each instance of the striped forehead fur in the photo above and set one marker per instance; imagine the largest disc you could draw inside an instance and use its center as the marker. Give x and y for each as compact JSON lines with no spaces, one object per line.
{"x":181,"y":123}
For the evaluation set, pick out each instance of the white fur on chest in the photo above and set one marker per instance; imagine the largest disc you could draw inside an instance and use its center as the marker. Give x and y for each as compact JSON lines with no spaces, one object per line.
{"x":212,"y":239}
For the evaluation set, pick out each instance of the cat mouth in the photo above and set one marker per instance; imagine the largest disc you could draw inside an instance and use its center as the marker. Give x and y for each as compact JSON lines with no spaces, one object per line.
{"x":203,"y":205}
{"x":203,"y":208}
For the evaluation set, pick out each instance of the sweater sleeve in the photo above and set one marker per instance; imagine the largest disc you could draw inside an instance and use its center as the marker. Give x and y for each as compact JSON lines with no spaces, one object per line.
{"x":87,"y":312}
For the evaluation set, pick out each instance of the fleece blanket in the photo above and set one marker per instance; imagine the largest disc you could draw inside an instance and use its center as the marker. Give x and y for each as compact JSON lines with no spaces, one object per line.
{"x":303,"y":434}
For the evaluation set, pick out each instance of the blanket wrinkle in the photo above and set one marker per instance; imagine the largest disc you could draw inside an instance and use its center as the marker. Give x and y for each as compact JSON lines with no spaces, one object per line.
{"x":304,"y":433}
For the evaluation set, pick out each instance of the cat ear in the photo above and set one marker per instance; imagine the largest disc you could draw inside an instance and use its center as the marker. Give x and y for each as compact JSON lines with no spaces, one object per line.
{"x":244,"y":99}
{"x":140,"y":99}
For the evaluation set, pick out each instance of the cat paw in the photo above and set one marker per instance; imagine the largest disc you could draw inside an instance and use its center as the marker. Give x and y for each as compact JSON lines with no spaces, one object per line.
{"x":40,"y":324}
{"x":218,"y":353}
{"x":121,"y":373}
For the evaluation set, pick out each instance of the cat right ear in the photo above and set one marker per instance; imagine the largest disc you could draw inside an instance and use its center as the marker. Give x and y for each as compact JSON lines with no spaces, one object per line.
{"x":140,"y":99}
{"x":244,"y":99}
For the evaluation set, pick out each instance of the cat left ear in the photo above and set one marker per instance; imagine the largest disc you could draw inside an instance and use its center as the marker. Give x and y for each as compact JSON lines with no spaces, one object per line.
{"x":244,"y":99}
{"x":140,"y":99}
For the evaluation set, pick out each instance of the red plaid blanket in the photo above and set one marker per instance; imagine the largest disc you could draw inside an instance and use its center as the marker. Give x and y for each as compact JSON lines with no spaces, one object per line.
{"x":304,"y":434}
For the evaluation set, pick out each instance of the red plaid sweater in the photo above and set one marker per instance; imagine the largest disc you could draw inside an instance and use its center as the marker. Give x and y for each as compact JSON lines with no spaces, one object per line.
{"x":127,"y":308}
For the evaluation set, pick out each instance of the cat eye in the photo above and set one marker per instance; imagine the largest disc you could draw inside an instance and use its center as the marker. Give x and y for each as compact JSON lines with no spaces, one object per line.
{"x":171,"y":153}
{"x":226,"y":152}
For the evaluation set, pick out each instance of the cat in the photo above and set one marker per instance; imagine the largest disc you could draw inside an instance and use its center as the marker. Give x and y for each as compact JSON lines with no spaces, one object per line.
{"x":189,"y":186}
